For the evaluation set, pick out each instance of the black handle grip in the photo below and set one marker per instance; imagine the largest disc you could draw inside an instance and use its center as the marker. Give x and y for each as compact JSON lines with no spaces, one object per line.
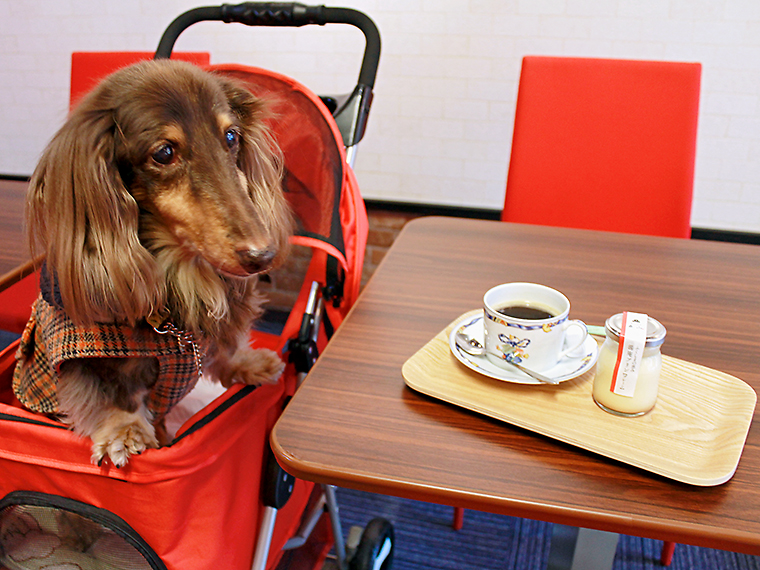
{"x":281,"y":14}
{"x":273,"y":14}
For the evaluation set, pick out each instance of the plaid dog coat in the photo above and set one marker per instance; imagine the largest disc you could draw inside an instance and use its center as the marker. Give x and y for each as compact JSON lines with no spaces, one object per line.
{"x":50,"y":338}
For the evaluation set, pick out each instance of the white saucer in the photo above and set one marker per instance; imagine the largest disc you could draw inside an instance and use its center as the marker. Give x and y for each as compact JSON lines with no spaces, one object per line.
{"x":567,"y":368}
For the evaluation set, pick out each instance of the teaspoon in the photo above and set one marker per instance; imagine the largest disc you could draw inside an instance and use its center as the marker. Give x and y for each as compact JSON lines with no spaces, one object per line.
{"x":473,"y":347}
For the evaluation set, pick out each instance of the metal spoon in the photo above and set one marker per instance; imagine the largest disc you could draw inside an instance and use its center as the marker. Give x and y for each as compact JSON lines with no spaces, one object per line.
{"x":473,"y":347}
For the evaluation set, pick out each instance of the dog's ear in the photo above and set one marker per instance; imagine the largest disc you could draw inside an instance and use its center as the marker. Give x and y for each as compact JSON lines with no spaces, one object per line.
{"x":85,"y":221}
{"x":261,"y":162}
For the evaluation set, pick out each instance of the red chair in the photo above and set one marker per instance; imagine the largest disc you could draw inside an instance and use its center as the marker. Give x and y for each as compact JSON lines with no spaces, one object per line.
{"x":604,"y":144}
{"x":89,"y":67}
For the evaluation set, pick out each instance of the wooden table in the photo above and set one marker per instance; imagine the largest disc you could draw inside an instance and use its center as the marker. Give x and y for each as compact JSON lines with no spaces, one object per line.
{"x":14,"y":252}
{"x":355,"y":423}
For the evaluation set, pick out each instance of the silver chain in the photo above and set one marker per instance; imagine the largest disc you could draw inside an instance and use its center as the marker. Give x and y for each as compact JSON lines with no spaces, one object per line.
{"x":183,"y":338}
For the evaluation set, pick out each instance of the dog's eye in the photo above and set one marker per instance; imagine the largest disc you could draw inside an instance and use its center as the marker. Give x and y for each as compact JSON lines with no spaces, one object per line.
{"x":164,"y":154}
{"x":232,"y":136}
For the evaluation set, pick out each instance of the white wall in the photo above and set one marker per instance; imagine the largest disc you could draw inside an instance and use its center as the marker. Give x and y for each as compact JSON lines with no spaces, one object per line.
{"x":440,"y":127}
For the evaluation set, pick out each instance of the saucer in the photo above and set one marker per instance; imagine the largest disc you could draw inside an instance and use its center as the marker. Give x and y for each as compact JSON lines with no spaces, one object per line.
{"x":567,"y":368}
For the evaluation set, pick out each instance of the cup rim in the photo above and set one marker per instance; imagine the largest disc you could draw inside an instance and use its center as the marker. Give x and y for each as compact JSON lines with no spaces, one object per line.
{"x":558,"y":318}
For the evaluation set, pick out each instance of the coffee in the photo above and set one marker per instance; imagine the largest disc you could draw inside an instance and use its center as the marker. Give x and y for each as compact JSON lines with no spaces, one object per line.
{"x":524,"y":312}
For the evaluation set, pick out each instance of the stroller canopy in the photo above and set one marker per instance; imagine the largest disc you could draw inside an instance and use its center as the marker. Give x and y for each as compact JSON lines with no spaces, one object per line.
{"x":314,"y":161}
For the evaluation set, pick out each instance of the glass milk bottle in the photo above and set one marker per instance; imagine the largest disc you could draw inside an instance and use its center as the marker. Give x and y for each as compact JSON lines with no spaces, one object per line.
{"x":628,"y":370}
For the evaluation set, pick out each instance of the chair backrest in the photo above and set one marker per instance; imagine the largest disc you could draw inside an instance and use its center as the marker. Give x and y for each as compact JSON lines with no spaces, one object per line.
{"x":604,"y":144}
{"x":89,"y":67}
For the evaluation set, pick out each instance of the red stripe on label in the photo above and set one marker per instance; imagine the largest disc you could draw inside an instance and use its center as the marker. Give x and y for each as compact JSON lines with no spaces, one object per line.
{"x":621,"y":342}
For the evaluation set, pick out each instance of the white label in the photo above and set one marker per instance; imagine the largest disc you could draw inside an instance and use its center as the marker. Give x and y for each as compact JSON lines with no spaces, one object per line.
{"x":633,"y":337}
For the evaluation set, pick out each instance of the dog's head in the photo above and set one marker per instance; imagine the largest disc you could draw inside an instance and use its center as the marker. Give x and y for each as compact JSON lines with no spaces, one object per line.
{"x":161,"y":159}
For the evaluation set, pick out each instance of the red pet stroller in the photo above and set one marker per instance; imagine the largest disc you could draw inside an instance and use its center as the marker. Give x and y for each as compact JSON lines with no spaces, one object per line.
{"x":215,"y":497}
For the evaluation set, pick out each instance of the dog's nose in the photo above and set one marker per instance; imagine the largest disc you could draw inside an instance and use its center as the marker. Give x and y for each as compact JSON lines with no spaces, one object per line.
{"x":255,"y":260}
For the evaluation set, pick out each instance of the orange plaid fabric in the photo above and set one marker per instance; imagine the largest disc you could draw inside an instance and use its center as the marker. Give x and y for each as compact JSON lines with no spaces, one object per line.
{"x":50,"y":338}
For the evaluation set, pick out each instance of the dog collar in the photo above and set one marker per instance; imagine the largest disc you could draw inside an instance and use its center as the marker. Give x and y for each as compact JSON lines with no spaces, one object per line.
{"x":160,"y":323}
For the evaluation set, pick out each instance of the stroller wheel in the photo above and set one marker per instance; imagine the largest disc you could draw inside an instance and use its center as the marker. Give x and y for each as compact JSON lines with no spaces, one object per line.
{"x":375,"y":550}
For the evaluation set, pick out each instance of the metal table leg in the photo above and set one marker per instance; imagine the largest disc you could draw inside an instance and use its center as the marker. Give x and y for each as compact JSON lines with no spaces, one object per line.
{"x":575,"y":548}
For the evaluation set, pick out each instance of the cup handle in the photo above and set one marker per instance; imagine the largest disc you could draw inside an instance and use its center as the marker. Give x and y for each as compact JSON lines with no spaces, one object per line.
{"x":577,"y":345}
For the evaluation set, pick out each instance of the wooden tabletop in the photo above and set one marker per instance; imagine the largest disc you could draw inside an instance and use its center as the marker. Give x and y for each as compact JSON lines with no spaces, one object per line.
{"x":356,"y":424}
{"x":13,"y":248}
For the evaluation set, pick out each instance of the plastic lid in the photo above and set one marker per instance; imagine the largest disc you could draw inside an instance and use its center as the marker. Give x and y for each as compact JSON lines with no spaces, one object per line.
{"x":655,"y":331}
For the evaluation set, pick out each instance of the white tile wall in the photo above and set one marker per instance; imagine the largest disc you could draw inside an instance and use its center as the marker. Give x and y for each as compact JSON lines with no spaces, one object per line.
{"x":440,"y":128}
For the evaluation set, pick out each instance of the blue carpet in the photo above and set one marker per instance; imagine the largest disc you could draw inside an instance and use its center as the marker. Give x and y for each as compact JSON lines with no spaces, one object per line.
{"x":7,"y":338}
{"x":426,"y":541}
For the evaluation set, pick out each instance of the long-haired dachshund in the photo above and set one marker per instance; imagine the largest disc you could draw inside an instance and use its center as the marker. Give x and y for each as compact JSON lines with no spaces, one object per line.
{"x":156,"y":205}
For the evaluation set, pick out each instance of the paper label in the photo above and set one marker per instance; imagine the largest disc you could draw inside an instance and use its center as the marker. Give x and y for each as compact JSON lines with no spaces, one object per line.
{"x":633,"y":337}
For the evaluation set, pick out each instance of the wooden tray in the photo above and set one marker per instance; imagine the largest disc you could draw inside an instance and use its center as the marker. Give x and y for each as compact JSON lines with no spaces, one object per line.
{"x":695,"y":434}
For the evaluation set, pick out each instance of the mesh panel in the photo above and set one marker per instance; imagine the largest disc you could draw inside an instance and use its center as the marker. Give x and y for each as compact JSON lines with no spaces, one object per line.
{"x":313,"y":175}
{"x":34,"y":537}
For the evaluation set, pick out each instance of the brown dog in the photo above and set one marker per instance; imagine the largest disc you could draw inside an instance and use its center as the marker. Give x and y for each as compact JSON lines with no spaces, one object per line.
{"x":156,"y":205}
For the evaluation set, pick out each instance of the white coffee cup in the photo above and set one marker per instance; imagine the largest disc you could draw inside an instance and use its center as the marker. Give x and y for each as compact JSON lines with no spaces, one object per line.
{"x":532,"y":331}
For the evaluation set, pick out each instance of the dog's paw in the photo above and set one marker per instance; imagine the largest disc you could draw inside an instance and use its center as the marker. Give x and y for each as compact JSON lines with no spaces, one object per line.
{"x":255,"y":367}
{"x":121,"y":436}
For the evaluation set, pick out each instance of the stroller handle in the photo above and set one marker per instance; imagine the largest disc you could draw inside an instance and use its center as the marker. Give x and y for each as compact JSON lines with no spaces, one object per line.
{"x":290,"y":14}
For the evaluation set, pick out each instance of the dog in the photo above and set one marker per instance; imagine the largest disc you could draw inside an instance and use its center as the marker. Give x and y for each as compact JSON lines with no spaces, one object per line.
{"x":156,"y":206}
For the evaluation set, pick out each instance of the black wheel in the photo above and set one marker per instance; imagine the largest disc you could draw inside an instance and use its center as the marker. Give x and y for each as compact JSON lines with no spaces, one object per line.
{"x":375,"y":550}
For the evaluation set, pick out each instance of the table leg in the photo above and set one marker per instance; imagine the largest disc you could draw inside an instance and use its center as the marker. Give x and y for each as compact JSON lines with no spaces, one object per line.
{"x":581,"y":549}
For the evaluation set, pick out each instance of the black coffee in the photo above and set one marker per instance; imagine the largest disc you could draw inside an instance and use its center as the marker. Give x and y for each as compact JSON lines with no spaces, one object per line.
{"x":524,"y":312}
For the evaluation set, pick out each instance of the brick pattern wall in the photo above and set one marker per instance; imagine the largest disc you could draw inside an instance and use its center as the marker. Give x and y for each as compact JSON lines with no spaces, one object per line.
{"x":384,"y":226}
